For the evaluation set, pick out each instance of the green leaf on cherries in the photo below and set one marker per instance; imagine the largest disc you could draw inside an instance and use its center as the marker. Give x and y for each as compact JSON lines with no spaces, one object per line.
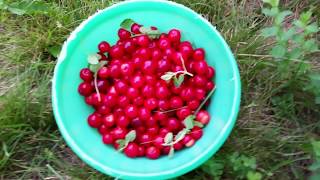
{"x":153,"y":34}
{"x":168,"y":76}
{"x":168,"y":138}
{"x":188,"y":121}
{"x":197,"y":123}
{"x":95,"y":67}
{"x":94,"y":58}
{"x":181,"y":135}
{"x":122,"y":144}
{"x":127,"y":23}
{"x":131,"y":136}
{"x":178,"y":81}
{"x":171,"y":152}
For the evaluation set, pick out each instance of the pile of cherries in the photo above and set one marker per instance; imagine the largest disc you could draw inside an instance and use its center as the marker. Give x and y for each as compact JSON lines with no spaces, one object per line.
{"x":128,"y":92}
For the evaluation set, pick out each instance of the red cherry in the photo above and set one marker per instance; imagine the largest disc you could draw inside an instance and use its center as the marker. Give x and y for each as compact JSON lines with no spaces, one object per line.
{"x":186,"y":51}
{"x":135,"y":28}
{"x":138,"y":101}
{"x":143,"y":40}
{"x":123,"y":34}
{"x":107,"y":138}
{"x":129,"y":46}
{"x":119,"y":133}
{"x":210,"y":72}
{"x":163,"y":132}
{"x":115,"y":70}
{"x":141,"y":151}
{"x":132,"y":150}
{"x":151,"y":122}
{"x":144,"y":114}
{"x":153,"y":131}
{"x":86,"y":75}
{"x":200,"y":67}
{"x":163,"y":65}
{"x":112,"y":91}
{"x":174,"y":35}
{"x":127,"y":69}
{"x":145,"y":138}
{"x":121,"y":87}
{"x":196,"y":132}
{"x":148,"y":91}
{"x":158,"y":141}
{"x":137,"y":81}
{"x":103,"y":129}
{"x":176,"y":102}
{"x":132,"y":93}
{"x":118,"y":112}
{"x":102,"y":86}
{"x":162,"y":92}
{"x":152,"y":152}
{"x":200,"y":94}
{"x":199,"y":81}
{"x":103,"y":73}
{"x":136,"y":122}
{"x":176,"y":90}
{"x":123,"y":121}
{"x":198,"y":54}
{"x":166,"y":150}
{"x":144,"y":53}
{"x":131,"y":111}
{"x":183,"y":113}
{"x":193,"y":105}
{"x":210,"y":85}
{"x":104,"y":47}
{"x":177,"y":146}
{"x":148,"y":67}
{"x":103,"y":110}
{"x":188,"y":141}
{"x":173,"y":124}
{"x":156,"y":55}
{"x":137,"y":62}
{"x":163,"y":104}
{"x":89,"y":100}
{"x":123,"y":101}
{"x":151,"y":103}
{"x":187,"y":94}
{"x":110,"y":100}
{"x":108,"y":120}
{"x":164,"y":43}
{"x":94,"y":120}
{"x":163,"y":35}
{"x":150,"y":79}
{"x":96,"y":99}
{"x":116,"y":51}
{"x":203,"y":117}
{"x":169,"y":52}
{"x":85,"y":89}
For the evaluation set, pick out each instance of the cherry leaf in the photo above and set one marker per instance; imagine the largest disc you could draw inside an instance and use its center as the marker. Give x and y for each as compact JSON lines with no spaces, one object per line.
{"x":167,"y":76}
{"x":171,"y":152}
{"x":181,"y":135}
{"x":94,"y":67}
{"x":152,"y":33}
{"x":127,"y":23}
{"x":168,"y":138}
{"x":178,"y":81}
{"x":131,"y":136}
{"x":197,"y":123}
{"x":93,"y":58}
{"x":188,"y":122}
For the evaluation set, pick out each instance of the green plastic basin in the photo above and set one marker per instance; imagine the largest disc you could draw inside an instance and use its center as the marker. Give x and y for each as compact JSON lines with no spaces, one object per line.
{"x":71,"y":111}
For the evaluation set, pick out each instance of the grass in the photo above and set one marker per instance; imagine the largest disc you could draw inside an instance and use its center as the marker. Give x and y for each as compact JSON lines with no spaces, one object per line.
{"x":273,"y":135}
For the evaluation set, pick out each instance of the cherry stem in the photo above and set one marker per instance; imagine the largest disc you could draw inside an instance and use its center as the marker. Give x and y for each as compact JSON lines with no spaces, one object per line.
{"x":136,"y":35}
{"x":184,"y":67}
{"x":204,"y":101}
{"x":171,"y":110}
{"x":96,"y":86}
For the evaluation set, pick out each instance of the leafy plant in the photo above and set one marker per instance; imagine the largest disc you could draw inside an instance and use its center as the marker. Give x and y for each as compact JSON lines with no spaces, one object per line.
{"x":214,"y":167}
{"x":244,"y":166}
{"x":293,"y":45}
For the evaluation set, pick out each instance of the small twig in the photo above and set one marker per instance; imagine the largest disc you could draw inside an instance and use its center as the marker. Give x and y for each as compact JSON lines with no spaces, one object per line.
{"x":171,"y":110}
{"x":54,"y":172}
{"x":96,"y":86}
{"x":184,"y":67}
{"x":204,"y":101}
{"x":270,"y":56}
